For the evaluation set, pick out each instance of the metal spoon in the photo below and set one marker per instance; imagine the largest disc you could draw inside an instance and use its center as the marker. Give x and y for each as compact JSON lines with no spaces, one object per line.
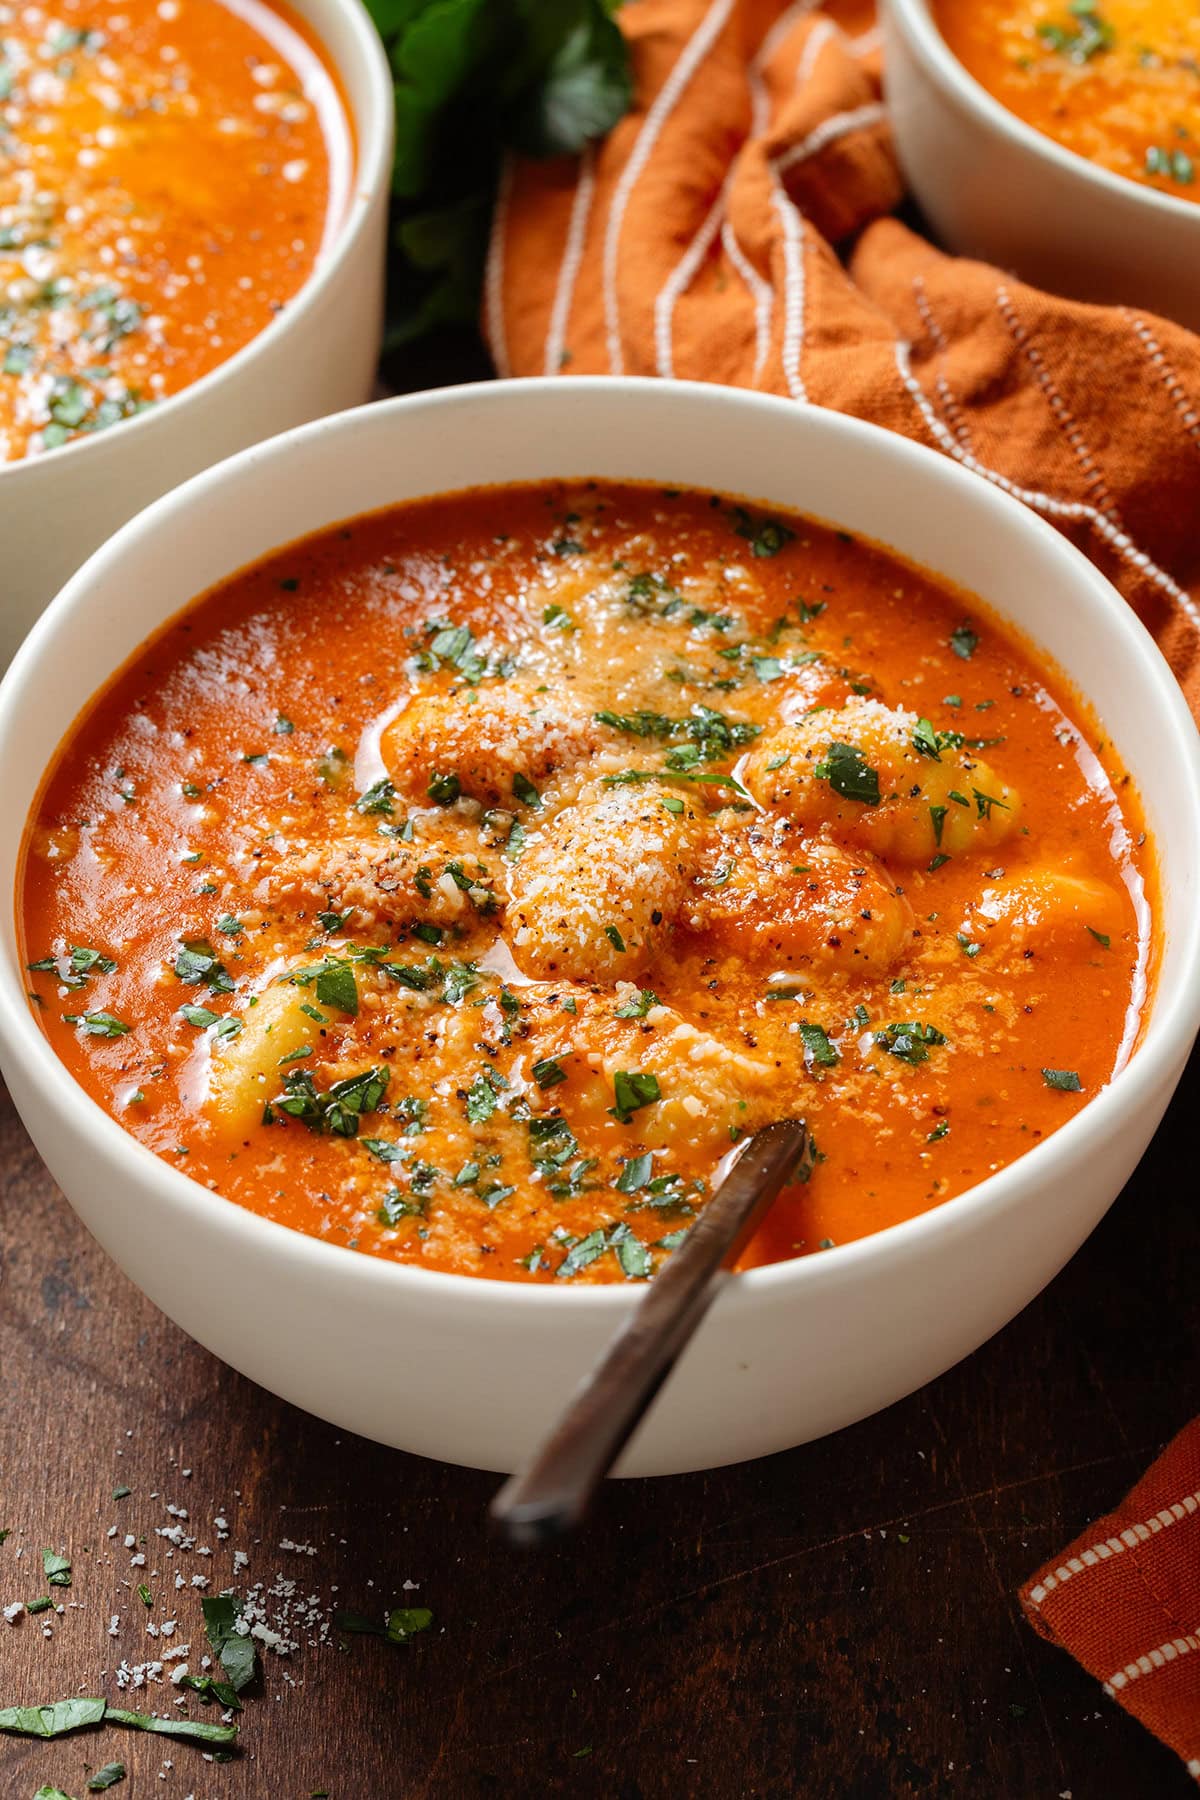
{"x":552,"y":1494}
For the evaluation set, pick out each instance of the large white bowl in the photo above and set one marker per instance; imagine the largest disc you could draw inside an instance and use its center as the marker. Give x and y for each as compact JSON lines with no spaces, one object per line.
{"x":317,"y":356}
{"x":995,"y":188}
{"x":471,"y":1370}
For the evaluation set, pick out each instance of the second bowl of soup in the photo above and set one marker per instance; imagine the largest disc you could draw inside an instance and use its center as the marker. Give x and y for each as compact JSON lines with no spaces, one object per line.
{"x":1061,"y":141}
{"x":192,"y":208}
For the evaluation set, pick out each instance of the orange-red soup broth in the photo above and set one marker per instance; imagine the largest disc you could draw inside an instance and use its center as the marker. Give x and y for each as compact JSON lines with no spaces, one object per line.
{"x":169,"y":173}
{"x":459,"y":884}
{"x":1117,"y":82}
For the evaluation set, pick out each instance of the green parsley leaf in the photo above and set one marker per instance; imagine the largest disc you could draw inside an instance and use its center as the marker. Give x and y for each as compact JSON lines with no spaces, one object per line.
{"x":52,"y":1720}
{"x":99,"y":1024}
{"x":377,"y":799}
{"x":766,"y":537}
{"x":444,"y":790}
{"x":401,"y":1624}
{"x":964,"y":641}
{"x":909,"y":1041}
{"x":336,"y":986}
{"x":635,"y":1174}
{"x":197,"y":1729}
{"x":1104,"y":941}
{"x":233,"y":1649}
{"x":106,"y":1777}
{"x":525,"y":791}
{"x":1065,"y":1080}
{"x":817,"y":1048}
{"x":548,"y":1073}
{"x":632,"y":1090}
{"x":57,"y":1569}
{"x":637,"y":1009}
{"x":849,"y":774}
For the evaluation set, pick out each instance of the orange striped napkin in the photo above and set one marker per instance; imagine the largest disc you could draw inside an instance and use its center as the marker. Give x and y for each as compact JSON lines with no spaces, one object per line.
{"x":1124,"y":1599}
{"x":737,"y":227}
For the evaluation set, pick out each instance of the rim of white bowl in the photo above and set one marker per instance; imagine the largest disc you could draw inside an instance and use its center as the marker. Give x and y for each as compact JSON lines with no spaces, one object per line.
{"x":372,"y":127}
{"x":915,"y":18}
{"x":1171,"y":1023}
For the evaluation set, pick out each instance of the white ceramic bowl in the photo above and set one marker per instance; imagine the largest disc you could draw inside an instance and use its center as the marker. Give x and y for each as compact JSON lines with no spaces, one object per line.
{"x":470,"y":1370}
{"x":993,"y":187}
{"x":317,"y":356}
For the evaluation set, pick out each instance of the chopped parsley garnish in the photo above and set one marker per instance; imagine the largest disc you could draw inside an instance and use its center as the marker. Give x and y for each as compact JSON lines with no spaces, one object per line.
{"x":708,"y":733}
{"x":1101,"y":938}
{"x":453,"y":644}
{"x":396,"y":1205}
{"x":766,"y":537}
{"x":615,"y":939}
{"x":444,"y":790}
{"x":985,"y":802}
{"x":62,"y":1716}
{"x":233,"y":1649}
{"x":481,"y":1097}
{"x":334,"y":766}
{"x":401,"y":1624}
{"x":197,"y":964}
{"x":940,"y":1130}
{"x":1065,"y":1080}
{"x":333,"y":984}
{"x":1175,"y":165}
{"x":99,"y":1024}
{"x":633,"y":1257}
{"x":377,"y":799}
{"x":964,"y":641}
{"x":636,"y":1173}
{"x":633,"y":1090}
{"x":937,"y":815}
{"x":525,"y":791}
{"x":548,"y":1073}
{"x":637,"y":1009}
{"x":57,"y":1569}
{"x":849,"y":774}
{"x":106,"y":1777}
{"x":967,"y":945}
{"x":1087,"y":36}
{"x":817,"y":1048}
{"x":283,"y":727}
{"x":909,"y":1041}
{"x":337,"y":1110}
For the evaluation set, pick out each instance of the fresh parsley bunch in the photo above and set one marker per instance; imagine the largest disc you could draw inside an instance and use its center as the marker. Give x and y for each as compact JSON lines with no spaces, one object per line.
{"x":475,"y":78}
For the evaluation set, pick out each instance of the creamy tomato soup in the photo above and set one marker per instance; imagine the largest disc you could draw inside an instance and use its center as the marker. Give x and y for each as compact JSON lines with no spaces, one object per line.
{"x":460,"y":883}
{"x":1118,"y":82}
{"x":169,"y":170}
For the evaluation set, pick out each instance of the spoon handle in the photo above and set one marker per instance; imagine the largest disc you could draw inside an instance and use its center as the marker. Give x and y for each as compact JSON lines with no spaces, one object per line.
{"x":552,"y":1494}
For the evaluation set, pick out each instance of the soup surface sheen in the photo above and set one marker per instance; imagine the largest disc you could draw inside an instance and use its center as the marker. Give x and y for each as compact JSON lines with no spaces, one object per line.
{"x":1118,"y":82}
{"x":168,"y":171}
{"x":460,"y":883}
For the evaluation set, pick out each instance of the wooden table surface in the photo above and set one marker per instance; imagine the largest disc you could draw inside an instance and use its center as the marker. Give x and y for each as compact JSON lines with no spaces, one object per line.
{"x":837,"y":1621}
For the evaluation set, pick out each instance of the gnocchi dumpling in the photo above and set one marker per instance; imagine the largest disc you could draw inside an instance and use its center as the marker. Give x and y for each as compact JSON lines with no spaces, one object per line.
{"x":884,"y":778}
{"x":599,"y":887}
{"x":1044,"y":907}
{"x":247,"y":1069}
{"x":772,"y":894}
{"x":490,"y":742}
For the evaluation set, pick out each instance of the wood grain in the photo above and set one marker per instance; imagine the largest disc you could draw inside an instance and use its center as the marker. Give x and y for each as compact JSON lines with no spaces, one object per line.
{"x":836,"y":1621}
